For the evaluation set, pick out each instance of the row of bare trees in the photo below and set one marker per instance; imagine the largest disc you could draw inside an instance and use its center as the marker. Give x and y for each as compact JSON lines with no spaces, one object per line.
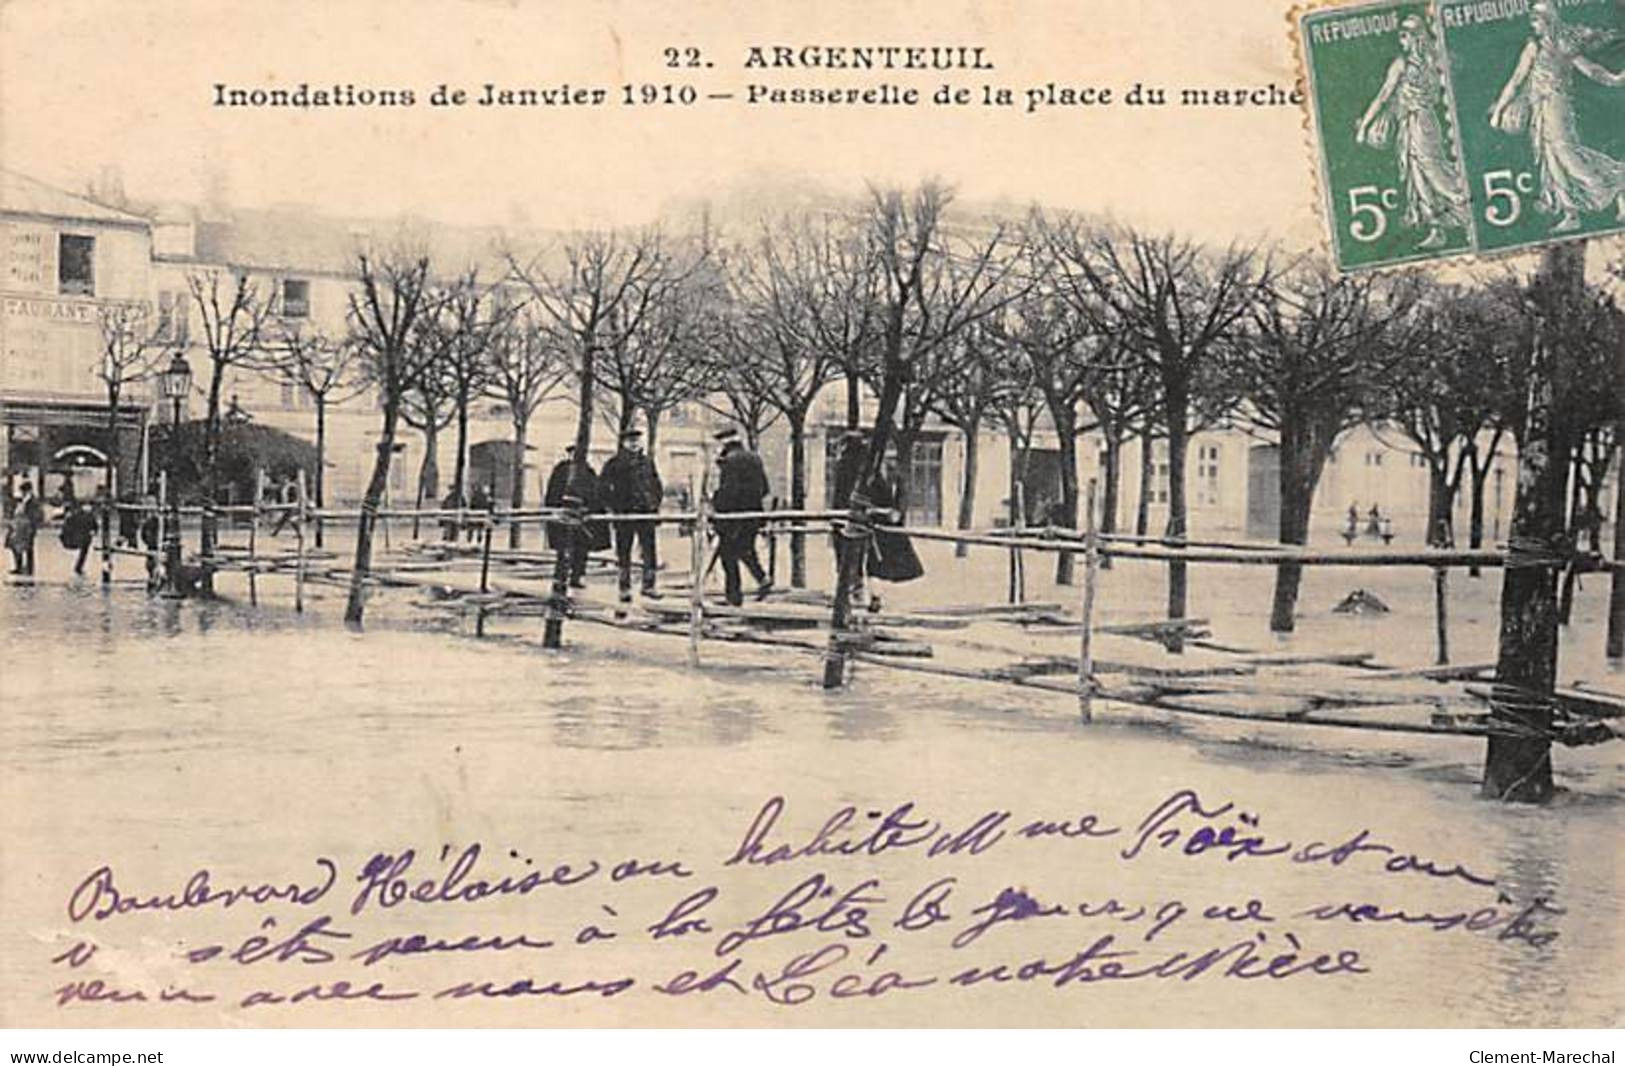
{"x":1048,"y":323}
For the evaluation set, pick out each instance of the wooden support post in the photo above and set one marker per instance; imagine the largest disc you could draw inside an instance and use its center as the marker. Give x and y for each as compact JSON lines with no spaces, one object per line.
{"x":1616,"y":587}
{"x":485,"y":569}
{"x":696,"y":561}
{"x":253,"y":536}
{"x":109,"y":516}
{"x":299,"y":548}
{"x":1441,"y":613}
{"x":1091,"y":575}
{"x":773,"y":546}
{"x":153,"y":555}
{"x":1018,"y":562}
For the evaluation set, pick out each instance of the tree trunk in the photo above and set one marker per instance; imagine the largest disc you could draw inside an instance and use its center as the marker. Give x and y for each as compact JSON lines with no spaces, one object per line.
{"x":1065,"y":418}
{"x":321,"y":460}
{"x":1577,"y":493}
{"x":356,"y":605}
{"x":1475,"y":514}
{"x":553,"y":628}
{"x":967,"y":491}
{"x":1112,"y":487}
{"x":1616,"y":592}
{"x":1518,"y":765}
{"x":890,"y":392}
{"x":516,"y":495}
{"x":459,"y":479}
{"x":429,"y":471}
{"x":1297,"y":485}
{"x":798,"y":497}
{"x":109,"y":485}
{"x":209,"y":533}
{"x":1177,"y":409}
{"x":906,"y":439}
{"x":1439,"y":532}
{"x":651,"y":419}
{"x":854,"y":399}
{"x":1142,"y":512}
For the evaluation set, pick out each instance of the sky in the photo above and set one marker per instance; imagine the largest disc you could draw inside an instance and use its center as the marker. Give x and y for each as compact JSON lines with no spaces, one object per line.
{"x":89,"y":83}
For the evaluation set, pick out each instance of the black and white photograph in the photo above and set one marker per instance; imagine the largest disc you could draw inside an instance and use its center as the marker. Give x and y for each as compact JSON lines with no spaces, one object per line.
{"x":870,"y":515}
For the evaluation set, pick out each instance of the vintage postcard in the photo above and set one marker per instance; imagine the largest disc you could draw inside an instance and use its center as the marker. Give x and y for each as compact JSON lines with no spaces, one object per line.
{"x":542,"y":514}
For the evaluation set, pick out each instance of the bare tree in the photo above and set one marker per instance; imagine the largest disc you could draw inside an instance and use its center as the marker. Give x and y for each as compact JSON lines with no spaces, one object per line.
{"x":131,"y":344}
{"x":426,"y":405}
{"x":662,"y":356}
{"x":1446,"y":393}
{"x":843,"y":303}
{"x":232,"y":315}
{"x":965,"y":275}
{"x":594,"y":295}
{"x":780,"y":291}
{"x":931,"y":289}
{"x":1180,"y":307}
{"x":973,"y":380}
{"x":323,"y":368}
{"x":526,"y":368}
{"x":467,"y":314}
{"x":1311,"y":367}
{"x":383,"y":319}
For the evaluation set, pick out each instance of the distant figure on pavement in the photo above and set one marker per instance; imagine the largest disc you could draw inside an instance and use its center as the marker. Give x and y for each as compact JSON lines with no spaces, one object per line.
{"x":479,"y":501}
{"x":448,"y":523}
{"x":742,"y":486}
{"x":631,"y":486}
{"x":26,"y":519}
{"x":149,"y":537}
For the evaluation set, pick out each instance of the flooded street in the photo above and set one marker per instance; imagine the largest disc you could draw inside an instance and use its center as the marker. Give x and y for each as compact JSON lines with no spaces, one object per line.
{"x":159,"y":739}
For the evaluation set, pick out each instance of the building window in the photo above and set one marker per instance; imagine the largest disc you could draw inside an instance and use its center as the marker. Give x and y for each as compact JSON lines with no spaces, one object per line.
{"x":1418,"y":459}
{"x":1159,"y":490}
{"x":1207,"y":473}
{"x":173,"y":317}
{"x":295,"y":298}
{"x":75,"y":265}
{"x":1373,"y":458}
{"x":287,"y":395}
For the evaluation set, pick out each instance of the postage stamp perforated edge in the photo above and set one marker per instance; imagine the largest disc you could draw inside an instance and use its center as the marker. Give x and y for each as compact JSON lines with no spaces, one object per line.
{"x":1315,"y":148}
{"x":1319,"y":179}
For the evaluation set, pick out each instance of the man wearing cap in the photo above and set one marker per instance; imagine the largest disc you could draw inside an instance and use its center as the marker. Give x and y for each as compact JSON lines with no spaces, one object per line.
{"x":558,"y":535}
{"x":26,"y":518}
{"x":631,"y":485}
{"x":741,"y":487}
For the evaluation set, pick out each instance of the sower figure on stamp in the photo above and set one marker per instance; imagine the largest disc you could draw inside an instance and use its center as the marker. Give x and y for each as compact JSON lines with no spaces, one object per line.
{"x":1538,"y":98}
{"x":595,"y":535}
{"x":632,"y":486}
{"x":742,"y":486}
{"x":1403,"y":114}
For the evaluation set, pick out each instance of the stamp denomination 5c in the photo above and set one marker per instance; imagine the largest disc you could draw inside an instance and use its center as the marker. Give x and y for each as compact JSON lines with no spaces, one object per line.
{"x":1391,"y":170}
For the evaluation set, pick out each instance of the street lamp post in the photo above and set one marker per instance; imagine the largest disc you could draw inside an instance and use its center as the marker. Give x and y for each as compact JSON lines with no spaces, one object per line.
{"x":176,"y":382}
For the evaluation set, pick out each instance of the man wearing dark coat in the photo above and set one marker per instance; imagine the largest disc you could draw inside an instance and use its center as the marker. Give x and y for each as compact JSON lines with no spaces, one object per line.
{"x":595,"y":535}
{"x":631,"y":485}
{"x":26,"y":519}
{"x":742,"y":486}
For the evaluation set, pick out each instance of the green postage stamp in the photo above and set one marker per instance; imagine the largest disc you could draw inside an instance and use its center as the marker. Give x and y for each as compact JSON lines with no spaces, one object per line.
{"x":1467,"y":125}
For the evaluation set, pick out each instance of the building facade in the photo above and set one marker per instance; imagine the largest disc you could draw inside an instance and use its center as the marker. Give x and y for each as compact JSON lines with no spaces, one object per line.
{"x":69,"y":263}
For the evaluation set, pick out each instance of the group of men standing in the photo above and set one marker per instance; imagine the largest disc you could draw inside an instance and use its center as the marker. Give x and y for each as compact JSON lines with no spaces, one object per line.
{"x":630,"y":484}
